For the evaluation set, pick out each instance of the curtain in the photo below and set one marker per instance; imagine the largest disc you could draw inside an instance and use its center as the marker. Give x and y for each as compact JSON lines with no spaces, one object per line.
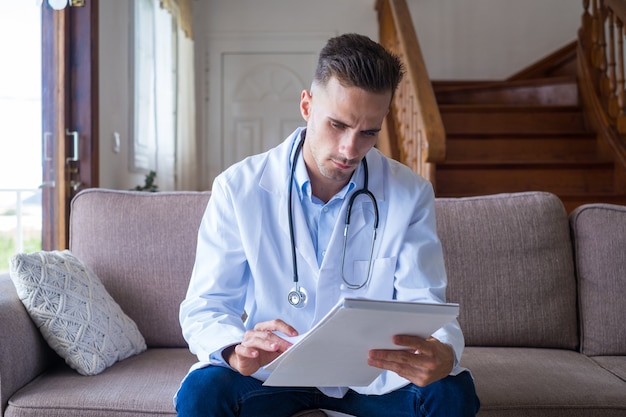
{"x":165,"y":92}
{"x":178,"y":155}
{"x":186,"y":150}
{"x":181,"y":9}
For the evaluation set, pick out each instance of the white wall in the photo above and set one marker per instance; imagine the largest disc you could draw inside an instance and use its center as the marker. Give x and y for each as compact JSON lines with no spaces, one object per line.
{"x":491,"y":39}
{"x":460,"y":39}
{"x":285,"y":16}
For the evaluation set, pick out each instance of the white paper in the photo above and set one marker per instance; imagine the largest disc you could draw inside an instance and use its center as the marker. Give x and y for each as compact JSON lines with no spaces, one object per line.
{"x":334,"y":353}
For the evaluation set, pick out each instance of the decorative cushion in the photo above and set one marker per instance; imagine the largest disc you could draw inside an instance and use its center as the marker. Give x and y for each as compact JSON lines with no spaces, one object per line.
{"x":74,"y":312}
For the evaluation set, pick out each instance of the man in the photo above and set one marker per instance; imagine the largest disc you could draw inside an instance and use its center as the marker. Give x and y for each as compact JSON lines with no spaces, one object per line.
{"x":271,"y":239}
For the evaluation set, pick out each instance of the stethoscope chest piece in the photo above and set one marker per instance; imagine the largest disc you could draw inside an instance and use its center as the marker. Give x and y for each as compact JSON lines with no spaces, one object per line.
{"x":298,"y":297}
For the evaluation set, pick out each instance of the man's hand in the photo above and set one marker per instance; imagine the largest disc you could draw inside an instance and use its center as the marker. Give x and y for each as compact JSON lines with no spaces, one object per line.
{"x":259,"y":347}
{"x":422,"y":362}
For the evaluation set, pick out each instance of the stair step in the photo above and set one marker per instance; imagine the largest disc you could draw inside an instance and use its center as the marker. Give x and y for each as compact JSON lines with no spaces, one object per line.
{"x":555,"y":91}
{"x":471,"y":119}
{"x":571,"y":201}
{"x":515,"y":148}
{"x":456,"y":179}
{"x":527,"y":133}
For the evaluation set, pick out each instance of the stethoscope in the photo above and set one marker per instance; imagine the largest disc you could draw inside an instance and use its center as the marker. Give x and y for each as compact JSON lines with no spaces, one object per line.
{"x":297,"y":296}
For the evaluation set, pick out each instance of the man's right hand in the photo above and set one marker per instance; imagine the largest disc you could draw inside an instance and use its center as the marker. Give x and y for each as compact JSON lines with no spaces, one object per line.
{"x":259,"y":347}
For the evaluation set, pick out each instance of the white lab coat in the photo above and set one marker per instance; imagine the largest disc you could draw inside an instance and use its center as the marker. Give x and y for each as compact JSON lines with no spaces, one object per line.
{"x":243,"y":260}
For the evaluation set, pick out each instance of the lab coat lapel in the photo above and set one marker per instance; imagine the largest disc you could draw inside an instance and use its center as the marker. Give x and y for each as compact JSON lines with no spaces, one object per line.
{"x":304,"y":245}
{"x":275,"y":180}
{"x":361,"y":221}
{"x":357,"y":218}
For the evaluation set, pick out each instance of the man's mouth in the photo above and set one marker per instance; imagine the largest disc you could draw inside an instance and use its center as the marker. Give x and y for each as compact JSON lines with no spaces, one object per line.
{"x":344,"y":164}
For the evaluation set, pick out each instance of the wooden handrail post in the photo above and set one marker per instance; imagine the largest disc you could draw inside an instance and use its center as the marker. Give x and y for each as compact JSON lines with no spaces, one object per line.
{"x":602,"y":71}
{"x":414,"y":130}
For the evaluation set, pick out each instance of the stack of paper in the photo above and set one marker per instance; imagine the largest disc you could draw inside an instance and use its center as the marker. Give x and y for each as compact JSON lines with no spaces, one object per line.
{"x":334,"y":353}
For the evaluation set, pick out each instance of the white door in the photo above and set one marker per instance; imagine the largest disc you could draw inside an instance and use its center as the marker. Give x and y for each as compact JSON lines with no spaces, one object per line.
{"x":261,"y":101}
{"x":253,"y":91}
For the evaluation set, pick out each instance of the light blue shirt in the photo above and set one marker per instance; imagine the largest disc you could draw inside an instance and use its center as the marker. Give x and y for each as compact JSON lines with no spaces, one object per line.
{"x":321,"y":217}
{"x":243,"y":261}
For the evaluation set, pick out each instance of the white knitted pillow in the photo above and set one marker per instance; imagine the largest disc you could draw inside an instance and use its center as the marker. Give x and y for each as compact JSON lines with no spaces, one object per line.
{"x":75,"y":314}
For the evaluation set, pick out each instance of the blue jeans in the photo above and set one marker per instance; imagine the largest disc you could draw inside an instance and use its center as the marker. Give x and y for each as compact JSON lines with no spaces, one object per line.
{"x":217,"y":391}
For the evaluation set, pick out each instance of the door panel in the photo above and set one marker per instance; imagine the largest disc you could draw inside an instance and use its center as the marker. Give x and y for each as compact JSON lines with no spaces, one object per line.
{"x":54,"y":56}
{"x":69,"y":104}
{"x":253,"y":91}
{"x":261,"y":100}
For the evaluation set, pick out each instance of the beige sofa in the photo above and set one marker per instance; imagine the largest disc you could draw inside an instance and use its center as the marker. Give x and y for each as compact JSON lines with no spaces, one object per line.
{"x":542,"y":305}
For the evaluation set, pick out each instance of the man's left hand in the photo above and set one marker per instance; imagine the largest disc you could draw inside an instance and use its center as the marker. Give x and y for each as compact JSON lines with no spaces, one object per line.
{"x":423,"y":361}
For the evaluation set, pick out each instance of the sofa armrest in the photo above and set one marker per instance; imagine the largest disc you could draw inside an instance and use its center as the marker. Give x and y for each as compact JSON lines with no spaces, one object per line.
{"x":24,"y":354}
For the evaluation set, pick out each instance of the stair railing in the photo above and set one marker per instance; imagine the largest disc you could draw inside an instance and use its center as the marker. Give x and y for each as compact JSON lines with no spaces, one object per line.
{"x":601,"y":68}
{"x":413,"y":131}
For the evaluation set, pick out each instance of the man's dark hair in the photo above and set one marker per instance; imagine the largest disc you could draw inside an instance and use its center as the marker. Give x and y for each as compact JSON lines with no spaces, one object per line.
{"x":357,"y":61}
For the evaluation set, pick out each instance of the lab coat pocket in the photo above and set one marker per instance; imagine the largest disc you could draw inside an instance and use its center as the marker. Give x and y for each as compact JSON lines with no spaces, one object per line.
{"x":380,"y":284}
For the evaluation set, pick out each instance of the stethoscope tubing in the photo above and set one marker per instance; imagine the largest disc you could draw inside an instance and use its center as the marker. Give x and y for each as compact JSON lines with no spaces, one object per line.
{"x":294,"y":257}
{"x":297,"y":296}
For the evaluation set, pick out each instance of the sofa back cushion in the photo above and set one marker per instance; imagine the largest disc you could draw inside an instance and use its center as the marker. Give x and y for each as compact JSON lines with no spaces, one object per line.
{"x":142,"y":246}
{"x":510,"y":266}
{"x":599,"y":232}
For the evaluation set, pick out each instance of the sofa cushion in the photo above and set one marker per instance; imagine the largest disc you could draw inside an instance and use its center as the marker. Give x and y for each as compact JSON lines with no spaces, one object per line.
{"x":142,"y":385}
{"x":74,"y":312}
{"x":599,"y":233}
{"x":142,"y":246}
{"x":614,"y":364}
{"x":510,"y":266}
{"x":542,"y":382}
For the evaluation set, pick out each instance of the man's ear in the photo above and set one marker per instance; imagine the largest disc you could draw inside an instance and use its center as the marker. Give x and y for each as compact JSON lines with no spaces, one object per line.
{"x":305,"y":104}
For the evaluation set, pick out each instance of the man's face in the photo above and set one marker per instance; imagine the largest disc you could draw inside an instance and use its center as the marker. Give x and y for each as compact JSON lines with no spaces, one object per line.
{"x":343,"y":124}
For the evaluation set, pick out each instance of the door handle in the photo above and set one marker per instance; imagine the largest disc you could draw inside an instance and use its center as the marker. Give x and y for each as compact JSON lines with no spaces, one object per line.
{"x":47,"y":184}
{"x":74,"y":184}
{"x":74,"y":135}
{"x":72,"y":171}
{"x":48,"y":158}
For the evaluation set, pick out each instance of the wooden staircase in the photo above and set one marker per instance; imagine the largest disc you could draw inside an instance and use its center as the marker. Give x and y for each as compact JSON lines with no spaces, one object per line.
{"x":527,"y":133}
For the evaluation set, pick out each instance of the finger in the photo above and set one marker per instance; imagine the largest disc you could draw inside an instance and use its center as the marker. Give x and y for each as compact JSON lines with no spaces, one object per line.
{"x":246,"y":351}
{"x":277,"y":325}
{"x":415,"y":344}
{"x":389,"y":363}
{"x":402,"y":363}
{"x":268,"y":337}
{"x":401,"y":357}
{"x":247,"y":360}
{"x":412,"y":373}
{"x":406,"y":364}
{"x":265,"y":340}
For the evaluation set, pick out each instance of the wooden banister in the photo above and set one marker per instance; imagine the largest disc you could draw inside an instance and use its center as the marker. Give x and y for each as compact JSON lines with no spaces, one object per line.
{"x":413,"y":131}
{"x":601,"y":69}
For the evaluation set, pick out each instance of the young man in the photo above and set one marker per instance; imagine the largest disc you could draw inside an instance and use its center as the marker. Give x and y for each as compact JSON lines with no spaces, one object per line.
{"x":271,"y":245}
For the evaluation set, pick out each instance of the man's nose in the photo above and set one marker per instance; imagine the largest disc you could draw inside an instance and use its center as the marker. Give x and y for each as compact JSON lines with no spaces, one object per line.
{"x":348,"y":145}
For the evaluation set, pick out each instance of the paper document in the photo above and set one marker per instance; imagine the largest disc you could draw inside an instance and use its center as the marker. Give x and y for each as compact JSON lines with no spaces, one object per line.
{"x":334,"y":352}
